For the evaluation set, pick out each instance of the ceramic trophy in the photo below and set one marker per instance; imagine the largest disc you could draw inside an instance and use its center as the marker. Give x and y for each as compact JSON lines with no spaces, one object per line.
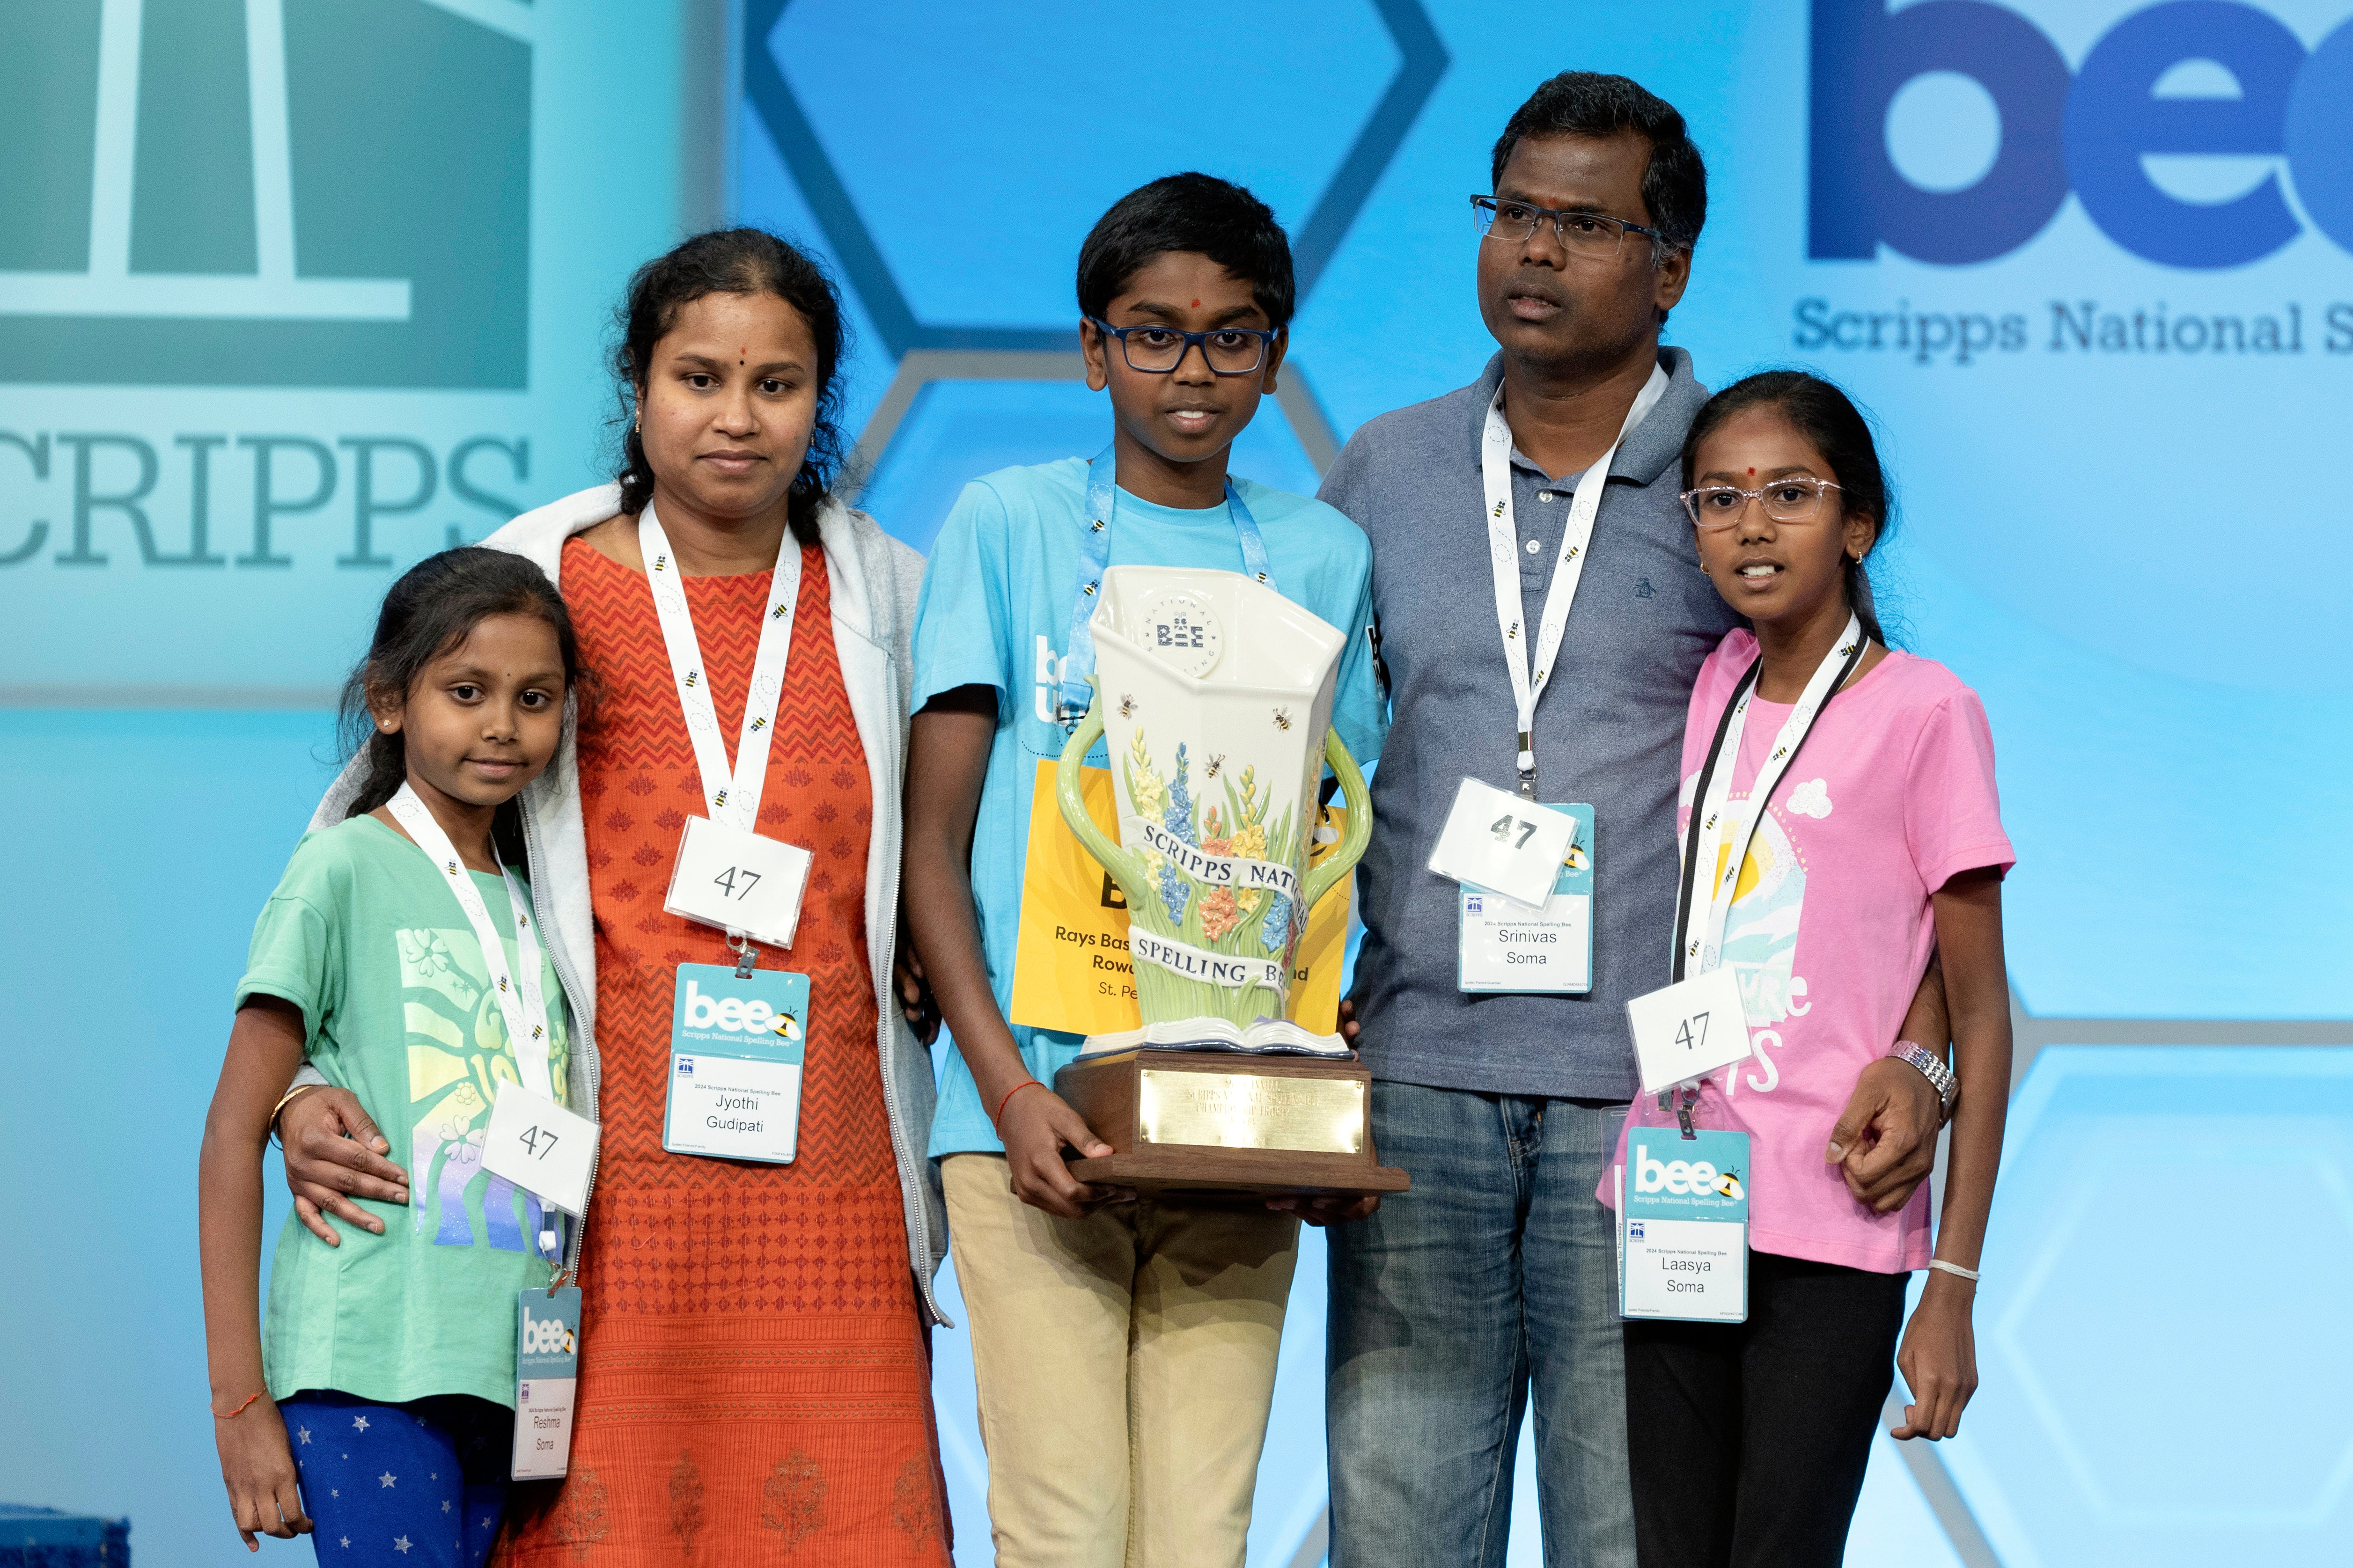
{"x":1213,"y":698}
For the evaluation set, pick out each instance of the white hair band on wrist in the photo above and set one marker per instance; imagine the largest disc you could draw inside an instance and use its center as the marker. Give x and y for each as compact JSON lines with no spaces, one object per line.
{"x":1939,"y":1263}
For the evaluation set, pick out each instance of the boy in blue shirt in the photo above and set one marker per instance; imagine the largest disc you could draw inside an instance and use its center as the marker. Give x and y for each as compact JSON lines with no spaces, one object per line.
{"x":1124,"y":1347}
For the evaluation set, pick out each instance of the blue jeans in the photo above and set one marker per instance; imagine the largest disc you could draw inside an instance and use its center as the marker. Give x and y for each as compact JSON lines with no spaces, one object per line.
{"x":1497,"y":1273}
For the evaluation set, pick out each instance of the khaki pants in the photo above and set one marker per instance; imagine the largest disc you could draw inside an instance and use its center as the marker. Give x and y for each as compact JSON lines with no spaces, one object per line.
{"x":1126,"y":1363}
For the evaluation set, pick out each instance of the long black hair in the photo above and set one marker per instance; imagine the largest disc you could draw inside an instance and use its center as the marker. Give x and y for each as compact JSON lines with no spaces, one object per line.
{"x":434,"y":607}
{"x":734,"y":262}
{"x":1827,"y":418}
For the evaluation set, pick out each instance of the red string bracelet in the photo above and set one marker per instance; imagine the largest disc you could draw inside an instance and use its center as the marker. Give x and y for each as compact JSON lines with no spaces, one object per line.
{"x":997,"y":1119}
{"x":236,"y":1413}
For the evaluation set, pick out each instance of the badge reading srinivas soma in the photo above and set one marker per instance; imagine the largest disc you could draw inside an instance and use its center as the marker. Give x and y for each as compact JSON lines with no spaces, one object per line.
{"x":1508,"y":947}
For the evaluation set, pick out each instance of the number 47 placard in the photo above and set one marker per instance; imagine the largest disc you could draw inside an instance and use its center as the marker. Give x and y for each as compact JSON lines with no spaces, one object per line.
{"x":1688,"y":1030}
{"x":539,"y":1147}
{"x":1494,"y":839}
{"x":738,"y":881}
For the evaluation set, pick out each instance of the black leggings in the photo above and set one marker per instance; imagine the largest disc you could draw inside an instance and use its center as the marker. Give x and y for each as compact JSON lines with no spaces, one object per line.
{"x":1746,"y":1442}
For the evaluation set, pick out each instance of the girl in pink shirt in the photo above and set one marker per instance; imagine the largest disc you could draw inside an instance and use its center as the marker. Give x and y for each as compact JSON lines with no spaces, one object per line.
{"x":1881,"y":847}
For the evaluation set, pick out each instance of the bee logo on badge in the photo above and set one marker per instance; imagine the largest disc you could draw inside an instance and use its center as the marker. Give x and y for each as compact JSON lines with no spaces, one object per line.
{"x":1728,"y":1185}
{"x":787,"y":1027}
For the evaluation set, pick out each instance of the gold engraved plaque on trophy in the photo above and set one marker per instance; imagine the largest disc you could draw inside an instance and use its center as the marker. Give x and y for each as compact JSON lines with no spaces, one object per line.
{"x":1246,"y":1110}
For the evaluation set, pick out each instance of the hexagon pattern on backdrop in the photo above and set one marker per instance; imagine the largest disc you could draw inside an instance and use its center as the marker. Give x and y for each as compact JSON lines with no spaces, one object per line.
{"x":2194,"y":1208}
{"x":952,"y":233}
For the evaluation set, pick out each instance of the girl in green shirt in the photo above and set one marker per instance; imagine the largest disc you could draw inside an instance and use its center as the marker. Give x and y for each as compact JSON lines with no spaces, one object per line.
{"x":376,"y":1407}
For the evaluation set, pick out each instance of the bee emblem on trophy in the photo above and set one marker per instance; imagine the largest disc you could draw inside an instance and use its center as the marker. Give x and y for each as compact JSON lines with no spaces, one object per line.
{"x":1283,"y":719}
{"x":1127,"y":707}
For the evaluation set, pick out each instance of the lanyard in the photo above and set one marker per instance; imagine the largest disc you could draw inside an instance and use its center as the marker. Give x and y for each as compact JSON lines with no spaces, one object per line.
{"x":732,"y":797}
{"x":1711,"y":820}
{"x":521,"y":1002}
{"x":1504,"y":555}
{"x":1094,"y":555}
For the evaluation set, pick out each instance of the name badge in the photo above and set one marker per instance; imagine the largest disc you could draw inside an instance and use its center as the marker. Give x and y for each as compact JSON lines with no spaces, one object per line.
{"x":1685,"y":1030}
{"x":539,"y":1147}
{"x":1683,"y":1225}
{"x":1494,"y":840}
{"x":737,"y":880}
{"x":1507,"y":947}
{"x":547,"y":1372}
{"x":735,"y":1055}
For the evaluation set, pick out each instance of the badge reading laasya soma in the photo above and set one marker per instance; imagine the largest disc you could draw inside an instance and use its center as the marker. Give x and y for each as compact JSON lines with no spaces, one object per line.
{"x":1682,"y":1221}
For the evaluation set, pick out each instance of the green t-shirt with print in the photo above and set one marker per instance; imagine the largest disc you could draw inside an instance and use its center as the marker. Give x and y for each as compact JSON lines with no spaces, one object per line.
{"x":365,"y":936}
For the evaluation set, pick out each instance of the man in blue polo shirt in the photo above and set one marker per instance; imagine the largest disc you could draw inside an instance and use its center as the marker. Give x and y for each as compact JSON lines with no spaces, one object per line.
{"x":1495,"y":1276}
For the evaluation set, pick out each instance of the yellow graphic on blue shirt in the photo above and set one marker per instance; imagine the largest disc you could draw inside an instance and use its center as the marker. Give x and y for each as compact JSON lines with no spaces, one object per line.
{"x":457,"y":1055}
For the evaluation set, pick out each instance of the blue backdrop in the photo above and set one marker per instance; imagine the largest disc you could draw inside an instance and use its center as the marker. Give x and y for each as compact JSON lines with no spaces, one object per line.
{"x":2090,"y":261}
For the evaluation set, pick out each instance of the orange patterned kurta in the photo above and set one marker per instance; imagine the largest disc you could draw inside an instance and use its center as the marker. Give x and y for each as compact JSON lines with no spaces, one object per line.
{"x":754,"y":1386}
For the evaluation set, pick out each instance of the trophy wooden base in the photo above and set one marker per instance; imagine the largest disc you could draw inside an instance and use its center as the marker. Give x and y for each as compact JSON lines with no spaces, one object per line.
{"x":1218,"y":1121}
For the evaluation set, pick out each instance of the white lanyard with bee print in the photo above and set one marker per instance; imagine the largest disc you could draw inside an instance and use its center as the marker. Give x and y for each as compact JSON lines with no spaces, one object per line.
{"x":1698,"y":1024}
{"x":532,"y":1142}
{"x":727,"y":874}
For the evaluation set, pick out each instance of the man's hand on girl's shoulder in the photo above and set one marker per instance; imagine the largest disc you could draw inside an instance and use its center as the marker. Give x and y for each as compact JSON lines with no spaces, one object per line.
{"x":333,"y":1154}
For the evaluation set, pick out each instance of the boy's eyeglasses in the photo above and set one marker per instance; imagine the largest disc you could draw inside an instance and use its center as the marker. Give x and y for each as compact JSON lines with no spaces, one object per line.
{"x":1587,"y":235}
{"x":1798,"y":499}
{"x":1156,"y":349}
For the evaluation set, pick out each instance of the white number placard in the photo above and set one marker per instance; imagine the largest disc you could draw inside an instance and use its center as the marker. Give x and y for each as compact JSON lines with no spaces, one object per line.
{"x":738,"y":881}
{"x":1494,"y":839}
{"x":539,"y":1147}
{"x":1691,"y":1027}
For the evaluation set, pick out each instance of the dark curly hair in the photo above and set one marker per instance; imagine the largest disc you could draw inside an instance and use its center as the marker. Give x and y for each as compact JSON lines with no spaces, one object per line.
{"x":734,"y":262}
{"x":434,"y":607}
{"x":1825,"y":416}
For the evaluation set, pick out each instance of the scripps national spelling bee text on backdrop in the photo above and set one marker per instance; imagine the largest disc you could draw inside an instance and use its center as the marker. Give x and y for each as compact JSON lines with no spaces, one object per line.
{"x":295,"y":291}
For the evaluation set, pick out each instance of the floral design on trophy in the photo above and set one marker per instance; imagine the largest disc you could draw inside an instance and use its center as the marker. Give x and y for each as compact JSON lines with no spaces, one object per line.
{"x":1219,"y":726}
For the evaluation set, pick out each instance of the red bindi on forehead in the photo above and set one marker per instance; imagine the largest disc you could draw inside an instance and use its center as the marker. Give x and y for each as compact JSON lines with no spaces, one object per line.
{"x":1197,"y":304}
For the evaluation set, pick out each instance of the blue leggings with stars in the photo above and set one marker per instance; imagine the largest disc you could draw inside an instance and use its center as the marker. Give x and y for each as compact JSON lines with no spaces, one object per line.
{"x":420,"y":1485}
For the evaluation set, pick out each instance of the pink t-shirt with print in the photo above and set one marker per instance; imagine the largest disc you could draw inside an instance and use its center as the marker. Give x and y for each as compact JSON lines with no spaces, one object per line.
{"x":1832,"y":926}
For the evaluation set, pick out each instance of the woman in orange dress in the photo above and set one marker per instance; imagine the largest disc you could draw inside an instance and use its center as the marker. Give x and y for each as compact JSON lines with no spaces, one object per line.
{"x":754,"y":1381}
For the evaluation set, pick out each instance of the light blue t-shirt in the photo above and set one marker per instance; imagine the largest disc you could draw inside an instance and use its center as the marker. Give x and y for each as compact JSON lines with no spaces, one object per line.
{"x":995,"y":611}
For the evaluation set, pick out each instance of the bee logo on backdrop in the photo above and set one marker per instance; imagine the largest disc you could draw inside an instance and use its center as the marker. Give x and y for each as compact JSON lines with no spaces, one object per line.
{"x":2200,"y":136}
{"x":265,"y":192}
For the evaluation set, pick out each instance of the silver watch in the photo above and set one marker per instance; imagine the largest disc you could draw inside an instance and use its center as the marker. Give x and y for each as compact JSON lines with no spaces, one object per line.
{"x":1932,"y":1067}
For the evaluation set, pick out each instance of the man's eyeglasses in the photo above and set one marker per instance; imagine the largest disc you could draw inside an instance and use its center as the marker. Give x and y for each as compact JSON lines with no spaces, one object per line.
{"x":1157,"y":349}
{"x":1797,"y":498}
{"x":1587,"y":235}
